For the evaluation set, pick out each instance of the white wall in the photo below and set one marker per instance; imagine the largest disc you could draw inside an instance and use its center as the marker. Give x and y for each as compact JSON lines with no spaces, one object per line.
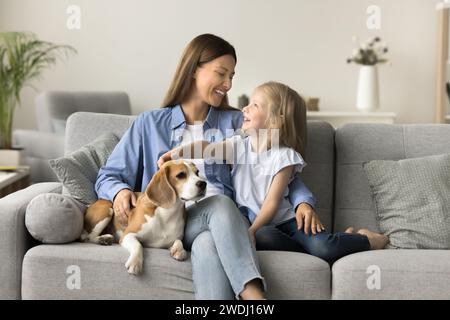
{"x":134,"y":45}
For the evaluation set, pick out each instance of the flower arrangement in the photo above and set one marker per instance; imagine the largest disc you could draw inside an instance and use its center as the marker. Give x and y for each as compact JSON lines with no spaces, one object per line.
{"x":369,"y":53}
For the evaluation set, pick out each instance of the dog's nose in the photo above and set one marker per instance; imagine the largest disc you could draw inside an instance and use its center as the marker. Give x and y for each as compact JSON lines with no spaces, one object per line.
{"x":201,"y":185}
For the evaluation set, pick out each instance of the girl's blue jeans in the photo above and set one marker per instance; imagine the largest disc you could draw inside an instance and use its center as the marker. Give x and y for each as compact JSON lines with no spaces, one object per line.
{"x":327,"y":246}
{"x":223,"y":258}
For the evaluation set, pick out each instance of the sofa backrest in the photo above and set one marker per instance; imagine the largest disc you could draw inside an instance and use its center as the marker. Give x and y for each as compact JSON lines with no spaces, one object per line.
{"x":359,"y":143}
{"x":334,"y":172}
{"x":54,"y":107}
{"x":318,"y":175}
{"x":85,"y":127}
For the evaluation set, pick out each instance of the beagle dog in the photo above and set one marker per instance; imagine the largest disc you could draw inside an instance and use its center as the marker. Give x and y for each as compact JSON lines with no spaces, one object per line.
{"x":158,"y":219}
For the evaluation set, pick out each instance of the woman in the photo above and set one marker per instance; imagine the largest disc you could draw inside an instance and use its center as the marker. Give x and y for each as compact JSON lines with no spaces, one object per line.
{"x":224,"y":263}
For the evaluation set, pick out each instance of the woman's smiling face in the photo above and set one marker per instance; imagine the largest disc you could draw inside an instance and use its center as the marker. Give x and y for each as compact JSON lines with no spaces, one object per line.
{"x":214,"y":79}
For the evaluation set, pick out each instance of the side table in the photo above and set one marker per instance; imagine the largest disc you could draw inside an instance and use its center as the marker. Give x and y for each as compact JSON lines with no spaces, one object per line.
{"x":12,"y":181}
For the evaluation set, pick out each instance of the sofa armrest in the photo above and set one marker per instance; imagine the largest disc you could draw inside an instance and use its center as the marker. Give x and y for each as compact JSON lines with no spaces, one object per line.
{"x":15,"y":239}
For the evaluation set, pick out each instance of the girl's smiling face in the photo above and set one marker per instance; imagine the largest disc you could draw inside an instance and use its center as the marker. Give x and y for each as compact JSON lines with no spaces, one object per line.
{"x":255,"y":114}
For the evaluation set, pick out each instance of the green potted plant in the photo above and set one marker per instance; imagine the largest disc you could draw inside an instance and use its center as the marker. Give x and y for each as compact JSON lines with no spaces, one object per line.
{"x":23,"y":57}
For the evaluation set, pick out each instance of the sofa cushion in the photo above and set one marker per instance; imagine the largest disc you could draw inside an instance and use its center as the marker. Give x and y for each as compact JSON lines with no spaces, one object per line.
{"x":392,"y":274}
{"x":357,"y":143}
{"x":78,"y":170}
{"x":294,"y":275}
{"x":49,"y":272}
{"x":412,"y":200}
{"x":54,"y":218}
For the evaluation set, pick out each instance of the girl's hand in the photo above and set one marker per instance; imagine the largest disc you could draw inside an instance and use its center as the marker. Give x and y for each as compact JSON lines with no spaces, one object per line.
{"x":164,"y":158}
{"x":307,"y":218}
{"x":121,"y":205}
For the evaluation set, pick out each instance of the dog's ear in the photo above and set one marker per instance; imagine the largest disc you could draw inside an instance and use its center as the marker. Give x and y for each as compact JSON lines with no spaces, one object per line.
{"x":159,"y":190}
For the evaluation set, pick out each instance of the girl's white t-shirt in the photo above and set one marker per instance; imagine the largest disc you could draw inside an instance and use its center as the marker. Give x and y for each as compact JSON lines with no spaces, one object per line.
{"x":252,"y":175}
{"x":195,"y":133}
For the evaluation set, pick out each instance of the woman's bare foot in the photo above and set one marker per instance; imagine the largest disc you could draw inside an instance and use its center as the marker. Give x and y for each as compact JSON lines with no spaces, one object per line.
{"x":349,"y":230}
{"x":376,"y":240}
{"x":253,"y":291}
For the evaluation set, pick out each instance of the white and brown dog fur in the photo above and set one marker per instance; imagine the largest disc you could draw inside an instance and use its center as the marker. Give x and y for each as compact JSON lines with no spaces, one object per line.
{"x":158,"y":219}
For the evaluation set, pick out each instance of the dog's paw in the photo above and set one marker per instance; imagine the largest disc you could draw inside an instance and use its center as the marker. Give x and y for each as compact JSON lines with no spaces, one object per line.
{"x":105,"y":239}
{"x":177,"y":251}
{"x":134,"y":265}
{"x":179,"y":255}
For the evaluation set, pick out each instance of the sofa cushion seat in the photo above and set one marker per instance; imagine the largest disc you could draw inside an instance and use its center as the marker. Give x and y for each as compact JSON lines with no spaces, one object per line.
{"x":403,"y":274}
{"x":53,"y":271}
{"x":47,"y":272}
{"x":295,"y":275}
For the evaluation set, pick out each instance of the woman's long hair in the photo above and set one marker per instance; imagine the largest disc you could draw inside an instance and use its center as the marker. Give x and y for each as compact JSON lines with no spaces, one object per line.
{"x":202,"y":49}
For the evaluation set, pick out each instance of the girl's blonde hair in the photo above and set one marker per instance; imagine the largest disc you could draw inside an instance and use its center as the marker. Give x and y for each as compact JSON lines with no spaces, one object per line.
{"x":202,"y":49}
{"x":286,"y":111}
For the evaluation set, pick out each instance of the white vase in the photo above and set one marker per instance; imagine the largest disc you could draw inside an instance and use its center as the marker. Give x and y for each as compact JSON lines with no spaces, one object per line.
{"x":367,"y":98}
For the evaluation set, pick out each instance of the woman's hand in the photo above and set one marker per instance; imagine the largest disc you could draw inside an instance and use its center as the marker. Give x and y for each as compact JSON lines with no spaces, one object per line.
{"x":307,"y":218}
{"x":121,"y":205}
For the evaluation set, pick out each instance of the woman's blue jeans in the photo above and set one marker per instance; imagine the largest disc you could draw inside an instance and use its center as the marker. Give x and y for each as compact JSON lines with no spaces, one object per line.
{"x":327,"y":246}
{"x":223,"y":258}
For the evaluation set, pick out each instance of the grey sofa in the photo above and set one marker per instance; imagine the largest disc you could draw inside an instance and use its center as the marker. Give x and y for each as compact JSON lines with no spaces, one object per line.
{"x":30,"y":270}
{"x":52,"y":110}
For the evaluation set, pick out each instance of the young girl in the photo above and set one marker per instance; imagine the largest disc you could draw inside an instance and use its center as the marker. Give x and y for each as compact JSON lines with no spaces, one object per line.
{"x":264,"y":162}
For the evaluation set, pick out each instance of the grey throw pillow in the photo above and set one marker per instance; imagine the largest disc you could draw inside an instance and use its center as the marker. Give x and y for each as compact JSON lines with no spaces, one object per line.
{"x":78,"y":170}
{"x":412,"y":200}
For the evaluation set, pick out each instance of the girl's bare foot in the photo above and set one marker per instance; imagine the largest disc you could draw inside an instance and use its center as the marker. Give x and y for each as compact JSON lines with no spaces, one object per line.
{"x":376,"y":240}
{"x":349,"y":230}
